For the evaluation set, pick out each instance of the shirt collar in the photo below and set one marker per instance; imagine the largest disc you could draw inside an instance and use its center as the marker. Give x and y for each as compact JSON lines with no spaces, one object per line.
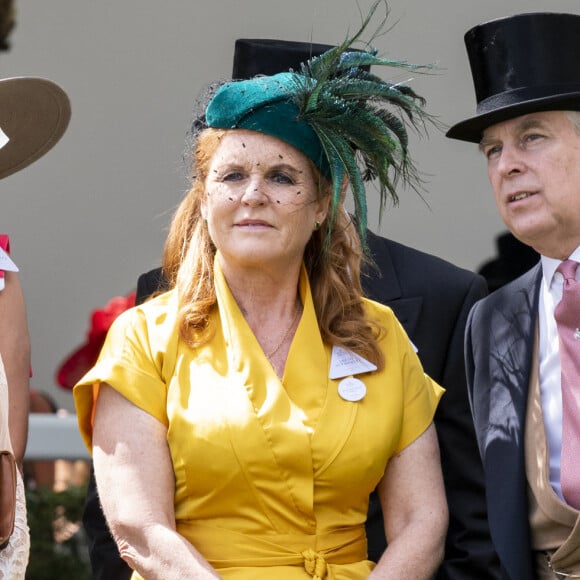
{"x":549,"y":265}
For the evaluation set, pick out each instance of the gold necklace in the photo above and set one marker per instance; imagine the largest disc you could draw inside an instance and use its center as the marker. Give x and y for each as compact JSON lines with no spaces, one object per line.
{"x":285,"y":336}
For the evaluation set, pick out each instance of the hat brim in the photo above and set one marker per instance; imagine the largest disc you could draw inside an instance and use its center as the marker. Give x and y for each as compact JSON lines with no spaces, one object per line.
{"x":472,"y":129}
{"x":34,"y":114}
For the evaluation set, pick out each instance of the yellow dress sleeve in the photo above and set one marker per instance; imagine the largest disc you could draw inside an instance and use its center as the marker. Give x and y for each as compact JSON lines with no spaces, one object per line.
{"x":421,"y":394}
{"x":133,"y":361}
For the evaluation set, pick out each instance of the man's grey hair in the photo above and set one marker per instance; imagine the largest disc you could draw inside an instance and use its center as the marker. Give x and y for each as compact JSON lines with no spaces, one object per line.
{"x":574,"y":117}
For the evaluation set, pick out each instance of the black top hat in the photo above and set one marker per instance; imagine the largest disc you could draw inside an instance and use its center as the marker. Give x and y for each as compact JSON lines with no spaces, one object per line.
{"x":264,"y":56}
{"x":521,"y":64}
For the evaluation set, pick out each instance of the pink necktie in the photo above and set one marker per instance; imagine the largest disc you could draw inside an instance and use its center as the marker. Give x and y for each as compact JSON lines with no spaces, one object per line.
{"x":567,"y":315}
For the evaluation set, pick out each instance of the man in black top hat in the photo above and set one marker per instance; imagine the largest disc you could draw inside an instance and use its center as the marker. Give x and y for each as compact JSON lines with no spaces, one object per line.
{"x":434,"y":314}
{"x":520,"y":373}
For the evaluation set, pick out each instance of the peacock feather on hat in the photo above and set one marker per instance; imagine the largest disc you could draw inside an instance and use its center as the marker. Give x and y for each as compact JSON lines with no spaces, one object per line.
{"x":360,"y":119}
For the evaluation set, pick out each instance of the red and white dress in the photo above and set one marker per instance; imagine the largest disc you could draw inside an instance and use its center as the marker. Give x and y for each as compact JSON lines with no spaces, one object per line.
{"x":14,"y":557}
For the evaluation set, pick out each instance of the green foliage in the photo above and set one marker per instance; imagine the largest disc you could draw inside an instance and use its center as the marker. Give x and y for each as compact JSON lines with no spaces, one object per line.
{"x":57,"y":542}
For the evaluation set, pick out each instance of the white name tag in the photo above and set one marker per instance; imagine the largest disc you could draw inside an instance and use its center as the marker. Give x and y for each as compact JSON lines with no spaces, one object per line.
{"x":6,"y":262}
{"x":345,"y":362}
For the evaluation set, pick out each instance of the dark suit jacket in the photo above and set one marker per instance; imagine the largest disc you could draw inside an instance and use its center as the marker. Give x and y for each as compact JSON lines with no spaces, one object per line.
{"x":431,"y":298}
{"x":499,"y":348}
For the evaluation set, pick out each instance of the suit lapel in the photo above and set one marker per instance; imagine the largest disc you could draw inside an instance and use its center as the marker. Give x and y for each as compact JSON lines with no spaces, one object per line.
{"x":407,"y":311}
{"x":381,"y":283}
{"x":510,"y":329}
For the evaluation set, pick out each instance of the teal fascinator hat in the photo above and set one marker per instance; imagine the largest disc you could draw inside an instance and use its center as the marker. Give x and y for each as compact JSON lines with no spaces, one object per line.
{"x":348,"y":121}
{"x":265,"y":104}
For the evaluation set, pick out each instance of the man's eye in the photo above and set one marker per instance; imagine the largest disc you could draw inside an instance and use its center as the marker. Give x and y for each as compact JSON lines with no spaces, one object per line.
{"x":493,"y":151}
{"x":532,"y":137}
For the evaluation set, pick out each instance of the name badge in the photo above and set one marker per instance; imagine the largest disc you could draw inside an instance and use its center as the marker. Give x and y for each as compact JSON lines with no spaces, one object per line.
{"x":344,"y":363}
{"x":351,"y":389}
{"x":6,"y":262}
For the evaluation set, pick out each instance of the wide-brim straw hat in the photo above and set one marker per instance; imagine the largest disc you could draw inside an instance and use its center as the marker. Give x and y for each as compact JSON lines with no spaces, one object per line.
{"x":34,"y":114}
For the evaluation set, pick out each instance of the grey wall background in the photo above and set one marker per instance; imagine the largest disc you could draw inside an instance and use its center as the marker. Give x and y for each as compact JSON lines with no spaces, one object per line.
{"x":89,"y":217}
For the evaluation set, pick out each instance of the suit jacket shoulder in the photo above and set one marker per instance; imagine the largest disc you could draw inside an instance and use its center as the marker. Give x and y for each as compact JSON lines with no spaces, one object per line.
{"x":498,"y":344}
{"x":508,"y":297}
{"x":432,"y":299}
{"x":149,"y":283}
{"x":430,"y":296}
{"x":417,"y":266}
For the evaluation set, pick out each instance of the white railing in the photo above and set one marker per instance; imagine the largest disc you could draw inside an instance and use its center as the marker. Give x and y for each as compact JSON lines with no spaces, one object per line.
{"x":54,"y":436}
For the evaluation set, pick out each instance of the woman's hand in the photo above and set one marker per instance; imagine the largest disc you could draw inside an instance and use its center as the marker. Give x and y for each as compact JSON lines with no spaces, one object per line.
{"x":414,"y":511}
{"x":136,"y":484}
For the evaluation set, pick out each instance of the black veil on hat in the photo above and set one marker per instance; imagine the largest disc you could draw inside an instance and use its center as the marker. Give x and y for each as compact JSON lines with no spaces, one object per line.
{"x":521,"y":64}
{"x":34,"y":114}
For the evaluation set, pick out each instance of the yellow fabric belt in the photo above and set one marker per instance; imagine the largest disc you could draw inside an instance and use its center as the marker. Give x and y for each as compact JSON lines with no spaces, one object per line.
{"x":225,"y":548}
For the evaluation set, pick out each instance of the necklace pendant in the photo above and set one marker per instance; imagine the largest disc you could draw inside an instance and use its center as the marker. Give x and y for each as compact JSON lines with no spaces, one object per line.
{"x":577,"y":334}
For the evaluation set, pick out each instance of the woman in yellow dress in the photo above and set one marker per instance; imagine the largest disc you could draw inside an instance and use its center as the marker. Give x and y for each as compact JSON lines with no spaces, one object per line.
{"x":239,"y":421}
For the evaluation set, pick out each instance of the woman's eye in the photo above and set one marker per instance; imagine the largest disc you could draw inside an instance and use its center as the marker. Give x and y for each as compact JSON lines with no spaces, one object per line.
{"x":282,"y":178}
{"x":232,"y":176}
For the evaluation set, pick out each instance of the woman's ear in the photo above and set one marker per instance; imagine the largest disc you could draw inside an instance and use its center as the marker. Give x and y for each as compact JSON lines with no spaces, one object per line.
{"x":323,"y":208}
{"x":343,"y":188}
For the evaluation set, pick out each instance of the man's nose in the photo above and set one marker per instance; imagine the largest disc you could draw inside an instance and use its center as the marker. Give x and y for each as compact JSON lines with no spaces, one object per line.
{"x":511,"y":160}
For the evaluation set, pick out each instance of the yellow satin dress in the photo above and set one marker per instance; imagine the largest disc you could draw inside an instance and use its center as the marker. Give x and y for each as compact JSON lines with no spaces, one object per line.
{"x":272,"y":476}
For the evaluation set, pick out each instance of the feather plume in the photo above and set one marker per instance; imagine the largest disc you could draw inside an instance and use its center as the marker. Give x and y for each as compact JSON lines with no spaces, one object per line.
{"x":361,"y":119}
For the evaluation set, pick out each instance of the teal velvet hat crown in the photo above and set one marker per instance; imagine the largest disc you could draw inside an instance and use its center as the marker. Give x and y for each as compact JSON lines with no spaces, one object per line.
{"x":265,"y":104}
